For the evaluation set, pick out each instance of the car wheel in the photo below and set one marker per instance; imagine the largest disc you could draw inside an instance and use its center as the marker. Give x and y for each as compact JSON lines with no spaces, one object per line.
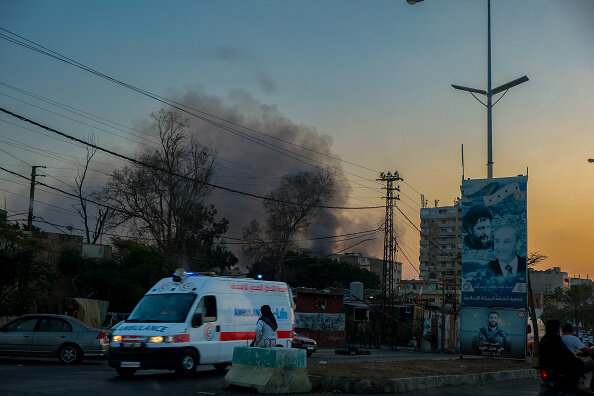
{"x":186,"y":362}
{"x":69,"y":354}
{"x":309,"y":353}
{"x":126,"y":372}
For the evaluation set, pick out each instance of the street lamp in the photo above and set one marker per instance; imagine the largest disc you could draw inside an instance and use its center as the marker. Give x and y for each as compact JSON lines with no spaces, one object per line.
{"x":489,"y":92}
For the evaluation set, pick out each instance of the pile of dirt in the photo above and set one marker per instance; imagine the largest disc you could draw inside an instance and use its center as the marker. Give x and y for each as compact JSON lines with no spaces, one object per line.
{"x":380,"y":372}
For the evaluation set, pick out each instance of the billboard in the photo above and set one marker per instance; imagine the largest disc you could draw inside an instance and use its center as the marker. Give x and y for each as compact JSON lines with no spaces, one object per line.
{"x":493,"y":332}
{"x":494,"y":242}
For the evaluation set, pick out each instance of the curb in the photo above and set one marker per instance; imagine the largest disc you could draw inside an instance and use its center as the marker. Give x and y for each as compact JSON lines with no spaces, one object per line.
{"x":398,"y":385}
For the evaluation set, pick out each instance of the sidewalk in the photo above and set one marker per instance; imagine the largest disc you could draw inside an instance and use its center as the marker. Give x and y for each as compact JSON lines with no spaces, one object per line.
{"x":348,"y":384}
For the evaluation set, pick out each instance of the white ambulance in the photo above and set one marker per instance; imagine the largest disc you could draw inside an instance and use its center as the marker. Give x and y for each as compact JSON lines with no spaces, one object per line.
{"x":190,"y":319}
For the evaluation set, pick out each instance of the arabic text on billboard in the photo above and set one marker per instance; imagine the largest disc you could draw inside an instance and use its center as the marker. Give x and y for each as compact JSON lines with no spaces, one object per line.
{"x":494,"y":242}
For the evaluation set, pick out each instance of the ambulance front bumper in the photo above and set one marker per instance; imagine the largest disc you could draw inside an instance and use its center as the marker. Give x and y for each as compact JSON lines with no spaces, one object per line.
{"x":143,"y":357}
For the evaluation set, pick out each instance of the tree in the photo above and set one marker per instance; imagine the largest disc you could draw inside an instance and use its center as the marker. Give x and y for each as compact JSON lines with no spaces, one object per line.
{"x":104,"y":214}
{"x":164,"y":203}
{"x":320,"y":273}
{"x":25,"y":275}
{"x":291,"y":208}
{"x":123,"y":280}
{"x":576,"y":301}
{"x":572,"y":305}
{"x":533,"y":259}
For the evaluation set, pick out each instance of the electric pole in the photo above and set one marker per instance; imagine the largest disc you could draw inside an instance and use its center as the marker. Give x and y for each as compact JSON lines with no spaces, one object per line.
{"x":32,"y":196}
{"x":390,"y":247}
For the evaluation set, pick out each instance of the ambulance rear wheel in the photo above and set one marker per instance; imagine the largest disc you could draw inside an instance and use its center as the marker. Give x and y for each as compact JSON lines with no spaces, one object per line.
{"x":186,"y":362}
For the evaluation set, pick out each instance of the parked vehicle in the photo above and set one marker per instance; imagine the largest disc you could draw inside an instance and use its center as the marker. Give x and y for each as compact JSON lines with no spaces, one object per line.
{"x":188,"y":319}
{"x":64,"y":337}
{"x":530,"y":335}
{"x":302,"y":342}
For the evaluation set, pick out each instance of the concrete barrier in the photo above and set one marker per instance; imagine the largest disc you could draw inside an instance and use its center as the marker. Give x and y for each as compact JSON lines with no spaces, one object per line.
{"x":269,"y":370}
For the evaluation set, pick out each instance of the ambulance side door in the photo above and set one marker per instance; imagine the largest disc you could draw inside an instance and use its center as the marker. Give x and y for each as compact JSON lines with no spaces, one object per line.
{"x":208,"y":335}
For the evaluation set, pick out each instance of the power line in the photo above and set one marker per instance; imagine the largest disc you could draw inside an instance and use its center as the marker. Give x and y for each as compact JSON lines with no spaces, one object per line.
{"x":72,"y":119}
{"x":170,"y":102}
{"x":147,"y":165}
{"x":350,"y":236}
{"x":184,"y":108}
{"x":203,"y":115}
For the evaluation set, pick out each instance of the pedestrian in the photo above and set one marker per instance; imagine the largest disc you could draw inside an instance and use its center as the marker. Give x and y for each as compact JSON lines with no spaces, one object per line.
{"x":266,"y":329}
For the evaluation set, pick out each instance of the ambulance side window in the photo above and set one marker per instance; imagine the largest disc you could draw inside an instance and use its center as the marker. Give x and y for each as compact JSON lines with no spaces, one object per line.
{"x":208,"y":308}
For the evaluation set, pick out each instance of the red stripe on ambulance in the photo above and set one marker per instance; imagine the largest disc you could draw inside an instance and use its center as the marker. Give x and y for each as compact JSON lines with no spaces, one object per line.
{"x":249,"y":335}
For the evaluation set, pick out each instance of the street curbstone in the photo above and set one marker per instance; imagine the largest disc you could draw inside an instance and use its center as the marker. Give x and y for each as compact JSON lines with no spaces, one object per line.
{"x":400,"y":385}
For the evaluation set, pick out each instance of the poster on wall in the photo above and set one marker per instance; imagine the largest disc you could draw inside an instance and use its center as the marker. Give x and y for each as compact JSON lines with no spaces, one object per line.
{"x":493,"y":332}
{"x":494,"y":242}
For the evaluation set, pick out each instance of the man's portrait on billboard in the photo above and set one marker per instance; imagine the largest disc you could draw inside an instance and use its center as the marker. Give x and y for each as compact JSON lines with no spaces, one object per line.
{"x":507,"y":262}
{"x":491,"y":340}
{"x":477,"y":224}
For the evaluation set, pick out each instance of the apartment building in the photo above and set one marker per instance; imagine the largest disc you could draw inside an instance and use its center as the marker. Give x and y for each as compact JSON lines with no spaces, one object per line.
{"x":440,"y":253}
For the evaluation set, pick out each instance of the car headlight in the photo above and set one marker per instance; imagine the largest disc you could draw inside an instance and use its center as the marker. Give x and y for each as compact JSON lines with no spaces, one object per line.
{"x":155,"y":339}
{"x":116,"y":338}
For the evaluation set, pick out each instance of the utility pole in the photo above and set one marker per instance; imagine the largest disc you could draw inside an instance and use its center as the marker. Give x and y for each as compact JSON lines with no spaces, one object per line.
{"x":390,"y":247}
{"x":32,"y":196}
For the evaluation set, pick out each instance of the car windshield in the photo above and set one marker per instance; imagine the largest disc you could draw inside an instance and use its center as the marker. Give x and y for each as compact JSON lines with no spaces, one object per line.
{"x":155,"y":308}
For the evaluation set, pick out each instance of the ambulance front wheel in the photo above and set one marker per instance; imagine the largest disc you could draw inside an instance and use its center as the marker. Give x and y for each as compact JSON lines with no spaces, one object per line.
{"x":186,"y":362}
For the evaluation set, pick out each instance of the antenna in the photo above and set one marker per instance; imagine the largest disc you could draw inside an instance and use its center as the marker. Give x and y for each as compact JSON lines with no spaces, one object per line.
{"x":462,"y":161}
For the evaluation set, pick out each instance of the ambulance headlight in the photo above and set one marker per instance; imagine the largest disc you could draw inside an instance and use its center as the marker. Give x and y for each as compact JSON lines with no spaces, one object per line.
{"x":116,"y":338}
{"x":156,"y":339}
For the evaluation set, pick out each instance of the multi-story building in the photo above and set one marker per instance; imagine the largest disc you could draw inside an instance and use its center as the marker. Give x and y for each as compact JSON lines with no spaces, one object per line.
{"x":375,"y":265}
{"x":548,"y":280}
{"x":441,"y":242}
{"x":579,"y":281}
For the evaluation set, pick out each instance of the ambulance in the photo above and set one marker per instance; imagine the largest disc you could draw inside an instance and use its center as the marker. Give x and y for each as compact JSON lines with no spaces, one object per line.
{"x":190,"y":319}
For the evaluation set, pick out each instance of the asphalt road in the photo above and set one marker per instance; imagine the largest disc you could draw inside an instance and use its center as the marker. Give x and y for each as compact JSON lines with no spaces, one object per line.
{"x":32,"y":376}
{"x":25,"y":376}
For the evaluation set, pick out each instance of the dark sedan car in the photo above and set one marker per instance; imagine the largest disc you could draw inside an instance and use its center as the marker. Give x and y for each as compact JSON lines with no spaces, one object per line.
{"x":64,"y":337}
{"x":301,"y":342}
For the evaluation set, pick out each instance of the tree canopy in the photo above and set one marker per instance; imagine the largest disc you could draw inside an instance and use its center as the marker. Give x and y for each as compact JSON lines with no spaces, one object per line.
{"x":291,"y":208}
{"x":25,"y":275}
{"x":319,"y":273}
{"x":163,"y":203}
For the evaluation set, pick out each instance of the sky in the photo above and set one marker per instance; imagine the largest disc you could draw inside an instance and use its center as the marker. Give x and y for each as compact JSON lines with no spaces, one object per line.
{"x":360,"y":86}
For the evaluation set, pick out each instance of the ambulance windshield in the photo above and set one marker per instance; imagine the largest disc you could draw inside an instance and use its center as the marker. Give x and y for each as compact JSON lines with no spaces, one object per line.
{"x":156,"y":308}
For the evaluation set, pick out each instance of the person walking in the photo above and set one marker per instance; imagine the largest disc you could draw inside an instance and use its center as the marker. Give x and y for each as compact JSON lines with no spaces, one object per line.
{"x":266,"y":329}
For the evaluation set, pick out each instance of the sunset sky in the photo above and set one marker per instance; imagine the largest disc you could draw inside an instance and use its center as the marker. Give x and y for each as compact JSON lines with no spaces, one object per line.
{"x":366,"y":82}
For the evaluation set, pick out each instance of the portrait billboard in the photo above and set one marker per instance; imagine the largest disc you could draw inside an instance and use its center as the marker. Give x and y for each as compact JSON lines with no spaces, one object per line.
{"x":493,"y":332}
{"x":494,"y":242}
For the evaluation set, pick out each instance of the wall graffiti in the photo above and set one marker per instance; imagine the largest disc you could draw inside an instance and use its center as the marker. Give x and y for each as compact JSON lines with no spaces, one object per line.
{"x":320,"y":321}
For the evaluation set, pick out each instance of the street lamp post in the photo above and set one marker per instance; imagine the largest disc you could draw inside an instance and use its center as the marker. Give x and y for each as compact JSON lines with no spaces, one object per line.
{"x":489,"y":92}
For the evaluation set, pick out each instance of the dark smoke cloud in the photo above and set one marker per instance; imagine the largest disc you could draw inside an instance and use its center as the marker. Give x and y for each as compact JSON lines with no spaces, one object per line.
{"x":246,"y":166}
